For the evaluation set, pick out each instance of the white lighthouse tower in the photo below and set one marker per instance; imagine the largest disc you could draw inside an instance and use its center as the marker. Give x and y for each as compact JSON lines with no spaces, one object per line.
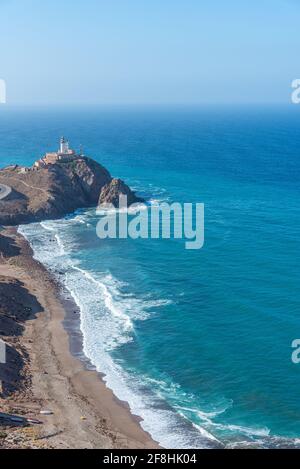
{"x":64,"y":154}
{"x":64,"y":146}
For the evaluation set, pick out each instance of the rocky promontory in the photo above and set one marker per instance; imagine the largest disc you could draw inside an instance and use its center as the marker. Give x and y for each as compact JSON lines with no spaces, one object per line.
{"x":56,"y":190}
{"x":111,"y":192}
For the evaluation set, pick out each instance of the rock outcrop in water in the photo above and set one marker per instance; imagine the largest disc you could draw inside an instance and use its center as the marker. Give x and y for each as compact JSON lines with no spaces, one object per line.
{"x":110,"y":193}
{"x":56,"y":190}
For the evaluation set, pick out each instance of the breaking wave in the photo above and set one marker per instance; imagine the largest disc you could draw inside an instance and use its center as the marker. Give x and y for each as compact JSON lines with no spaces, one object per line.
{"x":107,"y":321}
{"x":109,"y":312}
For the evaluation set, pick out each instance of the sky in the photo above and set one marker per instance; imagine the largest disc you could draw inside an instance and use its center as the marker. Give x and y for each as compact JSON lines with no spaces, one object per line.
{"x":149,"y":52}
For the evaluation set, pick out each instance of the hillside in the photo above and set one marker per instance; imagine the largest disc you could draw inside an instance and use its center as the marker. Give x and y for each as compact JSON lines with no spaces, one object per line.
{"x":56,"y":190}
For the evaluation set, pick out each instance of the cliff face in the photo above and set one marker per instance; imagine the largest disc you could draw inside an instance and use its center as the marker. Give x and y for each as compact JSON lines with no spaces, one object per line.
{"x":53,"y":191}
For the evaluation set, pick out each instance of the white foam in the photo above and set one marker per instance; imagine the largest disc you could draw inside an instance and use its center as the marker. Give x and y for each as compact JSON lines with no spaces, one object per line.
{"x":108,"y":321}
{"x":207,"y":419}
{"x":131,"y":210}
{"x":107,"y":318}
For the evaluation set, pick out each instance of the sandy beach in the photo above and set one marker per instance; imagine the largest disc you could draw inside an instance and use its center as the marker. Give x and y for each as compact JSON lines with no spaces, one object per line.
{"x":42,"y":374}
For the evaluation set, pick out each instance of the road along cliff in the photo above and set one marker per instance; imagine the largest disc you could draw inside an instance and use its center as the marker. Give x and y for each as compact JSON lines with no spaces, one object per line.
{"x":4,"y":191}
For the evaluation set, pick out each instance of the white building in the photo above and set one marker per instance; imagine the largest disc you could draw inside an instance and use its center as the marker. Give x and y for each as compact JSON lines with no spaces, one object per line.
{"x":64,"y":149}
{"x":64,"y":146}
{"x":64,"y":154}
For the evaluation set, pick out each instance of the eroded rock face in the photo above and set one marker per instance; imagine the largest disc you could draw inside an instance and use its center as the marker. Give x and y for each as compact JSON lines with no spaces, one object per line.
{"x":56,"y":190}
{"x":91,"y":178}
{"x":110,"y":193}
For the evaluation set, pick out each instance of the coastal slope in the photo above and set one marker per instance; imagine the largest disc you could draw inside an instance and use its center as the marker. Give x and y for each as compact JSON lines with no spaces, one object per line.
{"x":55,"y":190}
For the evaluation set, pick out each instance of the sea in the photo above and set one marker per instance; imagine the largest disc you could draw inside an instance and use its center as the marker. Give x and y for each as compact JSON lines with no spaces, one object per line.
{"x":198,"y":342}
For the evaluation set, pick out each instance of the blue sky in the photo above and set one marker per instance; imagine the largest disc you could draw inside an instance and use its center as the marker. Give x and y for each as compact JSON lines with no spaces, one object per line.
{"x":107,"y":52}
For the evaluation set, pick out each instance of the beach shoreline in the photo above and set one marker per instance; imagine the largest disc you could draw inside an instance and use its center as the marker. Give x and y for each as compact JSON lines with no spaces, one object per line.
{"x":86,"y":414}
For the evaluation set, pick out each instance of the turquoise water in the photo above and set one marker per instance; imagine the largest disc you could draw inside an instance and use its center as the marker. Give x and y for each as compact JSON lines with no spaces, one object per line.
{"x":198,"y":342}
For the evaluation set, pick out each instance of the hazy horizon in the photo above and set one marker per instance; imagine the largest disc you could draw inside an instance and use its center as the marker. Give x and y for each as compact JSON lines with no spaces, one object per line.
{"x":128,"y":53}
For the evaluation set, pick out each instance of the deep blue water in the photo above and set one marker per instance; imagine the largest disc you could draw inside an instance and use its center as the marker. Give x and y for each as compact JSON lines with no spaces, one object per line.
{"x":198,"y":342}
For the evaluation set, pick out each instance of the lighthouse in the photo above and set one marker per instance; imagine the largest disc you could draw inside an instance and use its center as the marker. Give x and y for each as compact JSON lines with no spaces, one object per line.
{"x":64,"y":146}
{"x":64,"y":155}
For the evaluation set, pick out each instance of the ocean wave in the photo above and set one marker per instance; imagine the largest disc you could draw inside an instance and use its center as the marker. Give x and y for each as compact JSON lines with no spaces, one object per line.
{"x":107,"y":318}
{"x":131,"y":210}
{"x":268,"y":442}
{"x":108,"y":312}
{"x":114,"y":307}
{"x":107,"y":322}
{"x":150,"y":191}
{"x":207,"y":418}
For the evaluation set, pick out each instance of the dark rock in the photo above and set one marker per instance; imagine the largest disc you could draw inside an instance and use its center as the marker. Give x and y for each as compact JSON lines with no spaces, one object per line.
{"x":110,"y":193}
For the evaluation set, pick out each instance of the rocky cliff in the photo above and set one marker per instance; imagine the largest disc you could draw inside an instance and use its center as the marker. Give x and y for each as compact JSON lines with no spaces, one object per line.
{"x":110,"y":193}
{"x":56,"y":190}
